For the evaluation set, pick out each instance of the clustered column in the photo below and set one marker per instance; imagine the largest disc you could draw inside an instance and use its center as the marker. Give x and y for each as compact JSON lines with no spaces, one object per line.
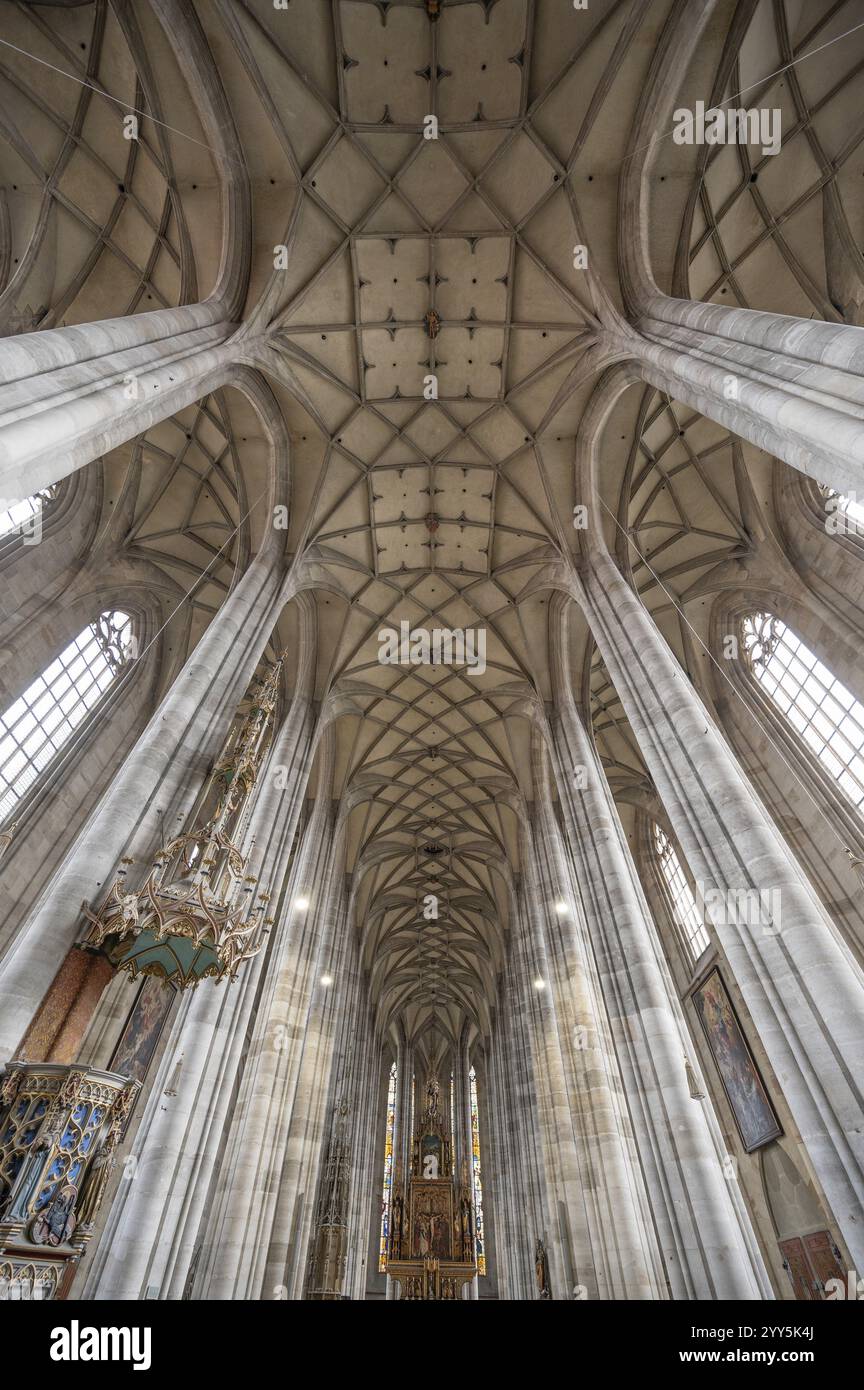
{"x":708,"y":1246}
{"x":155,"y":1230}
{"x":605,"y":1198}
{"x":264,"y":1184}
{"x":804,"y":991}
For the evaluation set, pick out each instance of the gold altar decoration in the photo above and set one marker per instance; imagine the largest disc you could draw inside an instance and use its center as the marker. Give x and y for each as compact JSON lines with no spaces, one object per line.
{"x":441,"y":1284}
{"x":431,"y":1252}
{"x":194,"y":915}
{"x":59,"y":1128}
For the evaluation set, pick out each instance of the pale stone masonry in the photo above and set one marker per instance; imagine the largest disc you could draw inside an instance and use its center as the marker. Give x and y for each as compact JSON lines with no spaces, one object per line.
{"x":366,"y":327}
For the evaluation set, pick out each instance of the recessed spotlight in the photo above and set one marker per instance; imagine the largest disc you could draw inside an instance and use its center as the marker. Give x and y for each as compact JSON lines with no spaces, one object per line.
{"x":326,"y":979}
{"x":539,"y":984}
{"x":301,"y":904}
{"x":561,"y":908}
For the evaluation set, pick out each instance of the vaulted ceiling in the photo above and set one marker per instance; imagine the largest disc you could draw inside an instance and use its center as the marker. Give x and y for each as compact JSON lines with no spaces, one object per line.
{"x":432,"y":345}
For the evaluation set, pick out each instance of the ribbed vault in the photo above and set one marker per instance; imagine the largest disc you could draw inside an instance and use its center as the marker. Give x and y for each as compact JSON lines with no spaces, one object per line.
{"x":432,"y":343}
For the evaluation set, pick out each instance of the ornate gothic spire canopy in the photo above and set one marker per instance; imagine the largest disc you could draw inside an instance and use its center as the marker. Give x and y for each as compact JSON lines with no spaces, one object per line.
{"x":197,"y":914}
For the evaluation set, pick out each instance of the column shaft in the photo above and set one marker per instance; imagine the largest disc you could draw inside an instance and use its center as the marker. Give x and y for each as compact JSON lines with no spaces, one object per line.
{"x":802,"y":987}
{"x":71,"y":394}
{"x":620,"y":1238}
{"x":254,"y":1220}
{"x":791,"y":386}
{"x":154,"y":1231}
{"x":709,"y":1249}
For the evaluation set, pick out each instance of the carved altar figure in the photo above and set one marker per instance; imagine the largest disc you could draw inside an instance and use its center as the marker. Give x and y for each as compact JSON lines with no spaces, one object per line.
{"x":466,"y":1226}
{"x":94,"y":1186}
{"x":54,"y":1225}
{"x":397,"y":1208}
{"x":541,"y":1266}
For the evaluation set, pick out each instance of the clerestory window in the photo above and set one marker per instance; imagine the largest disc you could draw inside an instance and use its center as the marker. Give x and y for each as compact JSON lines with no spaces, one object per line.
{"x":27,"y":516}
{"x":35,"y":726}
{"x":819,"y":707}
{"x":387,"y":1190}
{"x":689,"y":920}
{"x":476,"y":1183}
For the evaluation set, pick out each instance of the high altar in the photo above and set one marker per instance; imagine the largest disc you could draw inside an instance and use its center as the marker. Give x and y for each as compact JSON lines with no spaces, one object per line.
{"x":431,"y":1247}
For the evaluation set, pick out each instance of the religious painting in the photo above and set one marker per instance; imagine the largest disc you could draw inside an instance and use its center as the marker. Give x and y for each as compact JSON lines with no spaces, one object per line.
{"x":431,"y":1221}
{"x":430,"y":1156}
{"x":134,"y":1052}
{"x":754,"y":1114}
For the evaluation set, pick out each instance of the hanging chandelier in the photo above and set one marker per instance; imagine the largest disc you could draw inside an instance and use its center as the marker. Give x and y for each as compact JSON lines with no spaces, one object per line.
{"x":197,"y":915}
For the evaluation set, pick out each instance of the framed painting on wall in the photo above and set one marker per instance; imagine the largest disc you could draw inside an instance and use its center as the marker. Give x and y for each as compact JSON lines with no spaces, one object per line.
{"x":754,"y":1114}
{"x":134,"y":1051}
{"x":431,"y":1220}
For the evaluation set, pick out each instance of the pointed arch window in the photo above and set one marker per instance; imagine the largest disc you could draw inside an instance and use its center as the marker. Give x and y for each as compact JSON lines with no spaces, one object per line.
{"x":476,"y":1184}
{"x":388,"y":1171}
{"x":819,"y":707}
{"x":27,"y":516}
{"x":688,"y":918}
{"x":452,"y":1110}
{"x":36,"y":725}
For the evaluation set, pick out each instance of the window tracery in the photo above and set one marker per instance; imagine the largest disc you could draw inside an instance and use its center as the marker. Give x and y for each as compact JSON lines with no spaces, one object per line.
{"x":388,"y":1171}
{"x":688,"y":918}
{"x":818,"y":706}
{"x":476,"y":1183}
{"x":27,"y":516}
{"x":36,"y":726}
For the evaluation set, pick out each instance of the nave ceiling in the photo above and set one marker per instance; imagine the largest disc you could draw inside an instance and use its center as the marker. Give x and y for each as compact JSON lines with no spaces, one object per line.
{"x":407,"y":258}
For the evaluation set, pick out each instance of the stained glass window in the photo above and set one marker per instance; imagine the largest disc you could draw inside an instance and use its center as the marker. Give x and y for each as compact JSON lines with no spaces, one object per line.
{"x":477,"y":1186}
{"x":388,"y":1170}
{"x":452,"y":1110}
{"x":818,"y":706}
{"x":38,"y":723}
{"x":687,"y":915}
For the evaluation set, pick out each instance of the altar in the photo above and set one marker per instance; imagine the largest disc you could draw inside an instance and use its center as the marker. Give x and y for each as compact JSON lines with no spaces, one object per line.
{"x":431,"y":1246}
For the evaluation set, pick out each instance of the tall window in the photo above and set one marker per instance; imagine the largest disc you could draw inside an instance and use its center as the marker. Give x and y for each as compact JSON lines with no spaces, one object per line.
{"x":843,"y":512}
{"x":388,"y":1170}
{"x":452,"y":1110}
{"x":477,"y":1186}
{"x":826,"y":715}
{"x":40,"y":721}
{"x":687,"y":915}
{"x":27,"y":515}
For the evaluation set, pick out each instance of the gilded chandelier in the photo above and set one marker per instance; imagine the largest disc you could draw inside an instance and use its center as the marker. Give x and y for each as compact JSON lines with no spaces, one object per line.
{"x":196,"y":914}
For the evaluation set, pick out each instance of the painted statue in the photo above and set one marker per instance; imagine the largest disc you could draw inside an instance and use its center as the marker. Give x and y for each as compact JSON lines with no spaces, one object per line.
{"x":541,"y":1266}
{"x":466,"y":1227}
{"x":94,"y":1185}
{"x":396,"y":1221}
{"x":54,"y":1225}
